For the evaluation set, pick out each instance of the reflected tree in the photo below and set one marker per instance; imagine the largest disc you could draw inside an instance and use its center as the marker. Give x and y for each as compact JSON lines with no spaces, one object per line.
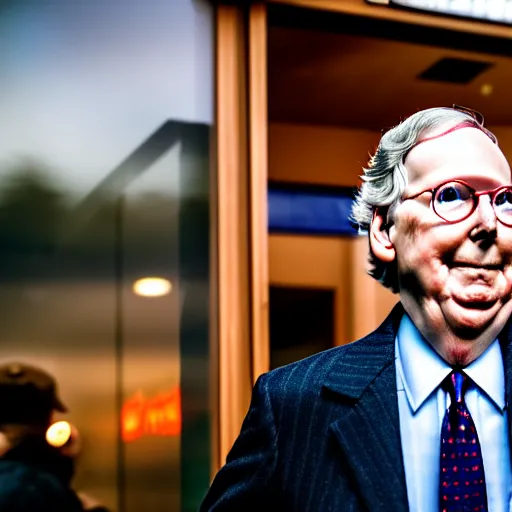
{"x":32,"y":209}
{"x":42,"y":237}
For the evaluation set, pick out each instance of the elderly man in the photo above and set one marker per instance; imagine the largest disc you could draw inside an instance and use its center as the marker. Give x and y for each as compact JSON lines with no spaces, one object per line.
{"x":413,"y":416}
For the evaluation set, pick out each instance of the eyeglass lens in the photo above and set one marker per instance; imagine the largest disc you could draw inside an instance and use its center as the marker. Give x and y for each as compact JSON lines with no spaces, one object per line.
{"x":455,"y":201}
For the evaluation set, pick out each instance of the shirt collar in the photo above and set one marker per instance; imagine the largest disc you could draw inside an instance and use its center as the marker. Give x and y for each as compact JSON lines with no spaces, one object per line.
{"x":423,"y":369}
{"x":488,"y":373}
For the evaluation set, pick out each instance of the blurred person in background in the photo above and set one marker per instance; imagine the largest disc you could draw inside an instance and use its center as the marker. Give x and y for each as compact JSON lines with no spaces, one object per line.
{"x":412,"y":417}
{"x":35,"y":473}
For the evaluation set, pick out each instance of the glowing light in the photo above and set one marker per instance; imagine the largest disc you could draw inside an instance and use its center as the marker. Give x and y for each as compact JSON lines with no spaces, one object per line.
{"x":156,"y":416}
{"x":58,"y":434}
{"x":486,"y":89}
{"x":152,"y":287}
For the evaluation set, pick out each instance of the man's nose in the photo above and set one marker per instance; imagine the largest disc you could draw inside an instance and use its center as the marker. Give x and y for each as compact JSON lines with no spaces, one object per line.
{"x":486,"y":214}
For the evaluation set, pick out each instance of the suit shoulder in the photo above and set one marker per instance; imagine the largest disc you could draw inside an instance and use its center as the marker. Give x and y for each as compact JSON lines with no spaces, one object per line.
{"x":305,"y":375}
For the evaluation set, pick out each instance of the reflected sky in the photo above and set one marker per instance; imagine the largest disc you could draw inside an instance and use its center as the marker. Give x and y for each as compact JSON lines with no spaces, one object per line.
{"x":84,"y":83}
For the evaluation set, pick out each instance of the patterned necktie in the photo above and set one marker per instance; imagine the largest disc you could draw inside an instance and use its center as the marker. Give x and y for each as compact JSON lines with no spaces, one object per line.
{"x":462,"y":478}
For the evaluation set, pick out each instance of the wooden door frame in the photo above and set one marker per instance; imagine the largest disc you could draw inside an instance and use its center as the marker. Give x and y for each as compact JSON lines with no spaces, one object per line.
{"x":240,"y":346}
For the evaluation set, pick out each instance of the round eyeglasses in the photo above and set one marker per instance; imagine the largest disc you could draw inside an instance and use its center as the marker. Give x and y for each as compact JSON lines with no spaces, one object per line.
{"x":455,"y":201}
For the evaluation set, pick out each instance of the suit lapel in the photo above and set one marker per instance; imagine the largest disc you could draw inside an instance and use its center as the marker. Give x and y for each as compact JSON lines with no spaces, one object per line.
{"x":368,"y":427}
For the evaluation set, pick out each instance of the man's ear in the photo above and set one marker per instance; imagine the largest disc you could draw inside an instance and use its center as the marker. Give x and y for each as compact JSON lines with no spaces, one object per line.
{"x":380,"y":242}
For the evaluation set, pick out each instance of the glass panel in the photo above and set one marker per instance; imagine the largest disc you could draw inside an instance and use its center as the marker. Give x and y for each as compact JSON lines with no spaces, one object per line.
{"x":104,"y":166}
{"x":151,"y":418}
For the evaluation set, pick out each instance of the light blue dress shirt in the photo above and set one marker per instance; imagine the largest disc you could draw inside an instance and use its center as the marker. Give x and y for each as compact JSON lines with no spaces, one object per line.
{"x":422,"y":405}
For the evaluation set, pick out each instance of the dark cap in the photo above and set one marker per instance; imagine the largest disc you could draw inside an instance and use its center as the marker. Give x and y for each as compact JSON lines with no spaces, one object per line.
{"x":27,"y":394}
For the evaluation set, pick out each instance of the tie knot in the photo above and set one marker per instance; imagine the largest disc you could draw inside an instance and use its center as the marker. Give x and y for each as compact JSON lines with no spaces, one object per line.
{"x":457,"y":384}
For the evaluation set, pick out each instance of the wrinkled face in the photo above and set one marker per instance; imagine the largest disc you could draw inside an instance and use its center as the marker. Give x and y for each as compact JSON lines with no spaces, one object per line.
{"x":455,"y":278}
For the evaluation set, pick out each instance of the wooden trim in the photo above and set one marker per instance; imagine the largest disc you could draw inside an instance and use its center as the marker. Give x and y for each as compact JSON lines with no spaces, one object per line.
{"x":234,"y":372}
{"x":258,"y":135}
{"x":361,"y":8}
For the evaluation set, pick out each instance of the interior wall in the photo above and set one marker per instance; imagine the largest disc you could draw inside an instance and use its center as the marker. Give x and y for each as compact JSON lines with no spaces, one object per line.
{"x":323,"y":155}
{"x":331,"y":156}
{"x":313,"y":262}
{"x":318,"y":155}
{"x":339,"y":264}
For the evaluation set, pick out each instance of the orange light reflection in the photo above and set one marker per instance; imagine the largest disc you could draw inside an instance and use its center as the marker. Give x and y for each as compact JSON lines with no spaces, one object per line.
{"x":156,"y":416}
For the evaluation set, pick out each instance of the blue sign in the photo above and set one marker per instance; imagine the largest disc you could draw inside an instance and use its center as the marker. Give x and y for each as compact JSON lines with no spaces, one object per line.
{"x":310,"y":212}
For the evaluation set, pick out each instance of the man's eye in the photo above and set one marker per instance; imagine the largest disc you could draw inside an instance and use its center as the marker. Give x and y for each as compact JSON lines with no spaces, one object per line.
{"x":449,"y":194}
{"x":504,"y":199}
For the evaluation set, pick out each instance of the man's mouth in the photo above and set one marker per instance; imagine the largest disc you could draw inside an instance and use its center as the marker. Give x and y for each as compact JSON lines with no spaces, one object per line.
{"x":476,"y":304}
{"x":477,"y":266}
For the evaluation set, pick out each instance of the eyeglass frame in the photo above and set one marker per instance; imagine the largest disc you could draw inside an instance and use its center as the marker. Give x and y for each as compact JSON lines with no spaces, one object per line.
{"x":492,"y":193}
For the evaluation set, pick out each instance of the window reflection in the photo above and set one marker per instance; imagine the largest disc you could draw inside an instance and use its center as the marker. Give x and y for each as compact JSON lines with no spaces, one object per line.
{"x":100,"y":186}
{"x":154,"y":416}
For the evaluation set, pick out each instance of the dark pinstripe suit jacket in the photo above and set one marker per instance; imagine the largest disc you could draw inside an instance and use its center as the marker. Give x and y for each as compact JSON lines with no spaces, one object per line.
{"x":322,"y":434}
